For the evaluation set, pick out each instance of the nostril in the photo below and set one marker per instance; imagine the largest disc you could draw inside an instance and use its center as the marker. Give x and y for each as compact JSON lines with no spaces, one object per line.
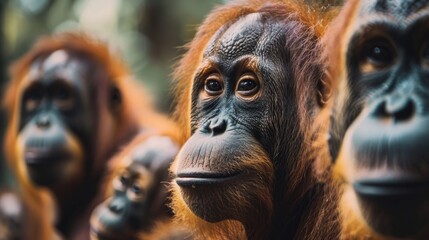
{"x":406,"y":112}
{"x":400,"y":109}
{"x":393,"y":105}
{"x":379,"y":111}
{"x":206,"y":127}
{"x":43,"y":121}
{"x":218,"y":127}
{"x":396,"y":109}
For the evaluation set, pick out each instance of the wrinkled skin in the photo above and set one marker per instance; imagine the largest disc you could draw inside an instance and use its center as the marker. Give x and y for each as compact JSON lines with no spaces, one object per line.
{"x":380,"y":119}
{"x":245,"y":130}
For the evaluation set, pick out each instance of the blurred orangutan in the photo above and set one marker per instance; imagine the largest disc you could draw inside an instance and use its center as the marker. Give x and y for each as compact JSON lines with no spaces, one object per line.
{"x":137,"y":204}
{"x":71,"y":104}
{"x":379,"y":63}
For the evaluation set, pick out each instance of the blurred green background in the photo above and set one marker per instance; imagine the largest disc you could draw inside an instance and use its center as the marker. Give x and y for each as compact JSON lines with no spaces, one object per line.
{"x":148,"y":34}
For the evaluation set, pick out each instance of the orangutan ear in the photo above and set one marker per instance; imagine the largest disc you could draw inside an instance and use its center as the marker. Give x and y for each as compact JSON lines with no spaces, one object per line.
{"x":323,"y":91}
{"x":115,"y":99}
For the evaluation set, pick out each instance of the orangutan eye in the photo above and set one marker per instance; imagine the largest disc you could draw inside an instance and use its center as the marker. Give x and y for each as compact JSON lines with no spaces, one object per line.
{"x":33,"y":97}
{"x":63,"y":96}
{"x":213,"y":85}
{"x":379,"y":53}
{"x":136,"y":189}
{"x":248,"y":85}
{"x":34,"y":94}
{"x":123,"y":180}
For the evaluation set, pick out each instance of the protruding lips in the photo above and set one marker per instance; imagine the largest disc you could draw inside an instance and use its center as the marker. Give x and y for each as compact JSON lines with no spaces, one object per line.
{"x":97,"y":232}
{"x":186,"y":179}
{"x":98,"y":227}
{"x":41,"y":156}
{"x":102,"y":234}
{"x":391,"y":187}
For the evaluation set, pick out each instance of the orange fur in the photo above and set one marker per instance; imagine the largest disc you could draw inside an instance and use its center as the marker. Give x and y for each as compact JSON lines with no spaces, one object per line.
{"x":314,"y":161}
{"x":230,"y":228}
{"x":167,"y":230}
{"x":40,"y":202}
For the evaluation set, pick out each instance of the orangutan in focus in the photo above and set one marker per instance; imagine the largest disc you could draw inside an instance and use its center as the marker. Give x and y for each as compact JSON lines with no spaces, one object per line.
{"x":250,"y":93}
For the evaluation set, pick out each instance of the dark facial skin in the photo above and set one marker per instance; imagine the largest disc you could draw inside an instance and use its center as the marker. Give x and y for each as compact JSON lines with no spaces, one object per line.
{"x":55,"y":123}
{"x":242,"y":110}
{"x":384,"y":122}
{"x":227,"y":85}
{"x":137,"y":192}
{"x":121,"y":216}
